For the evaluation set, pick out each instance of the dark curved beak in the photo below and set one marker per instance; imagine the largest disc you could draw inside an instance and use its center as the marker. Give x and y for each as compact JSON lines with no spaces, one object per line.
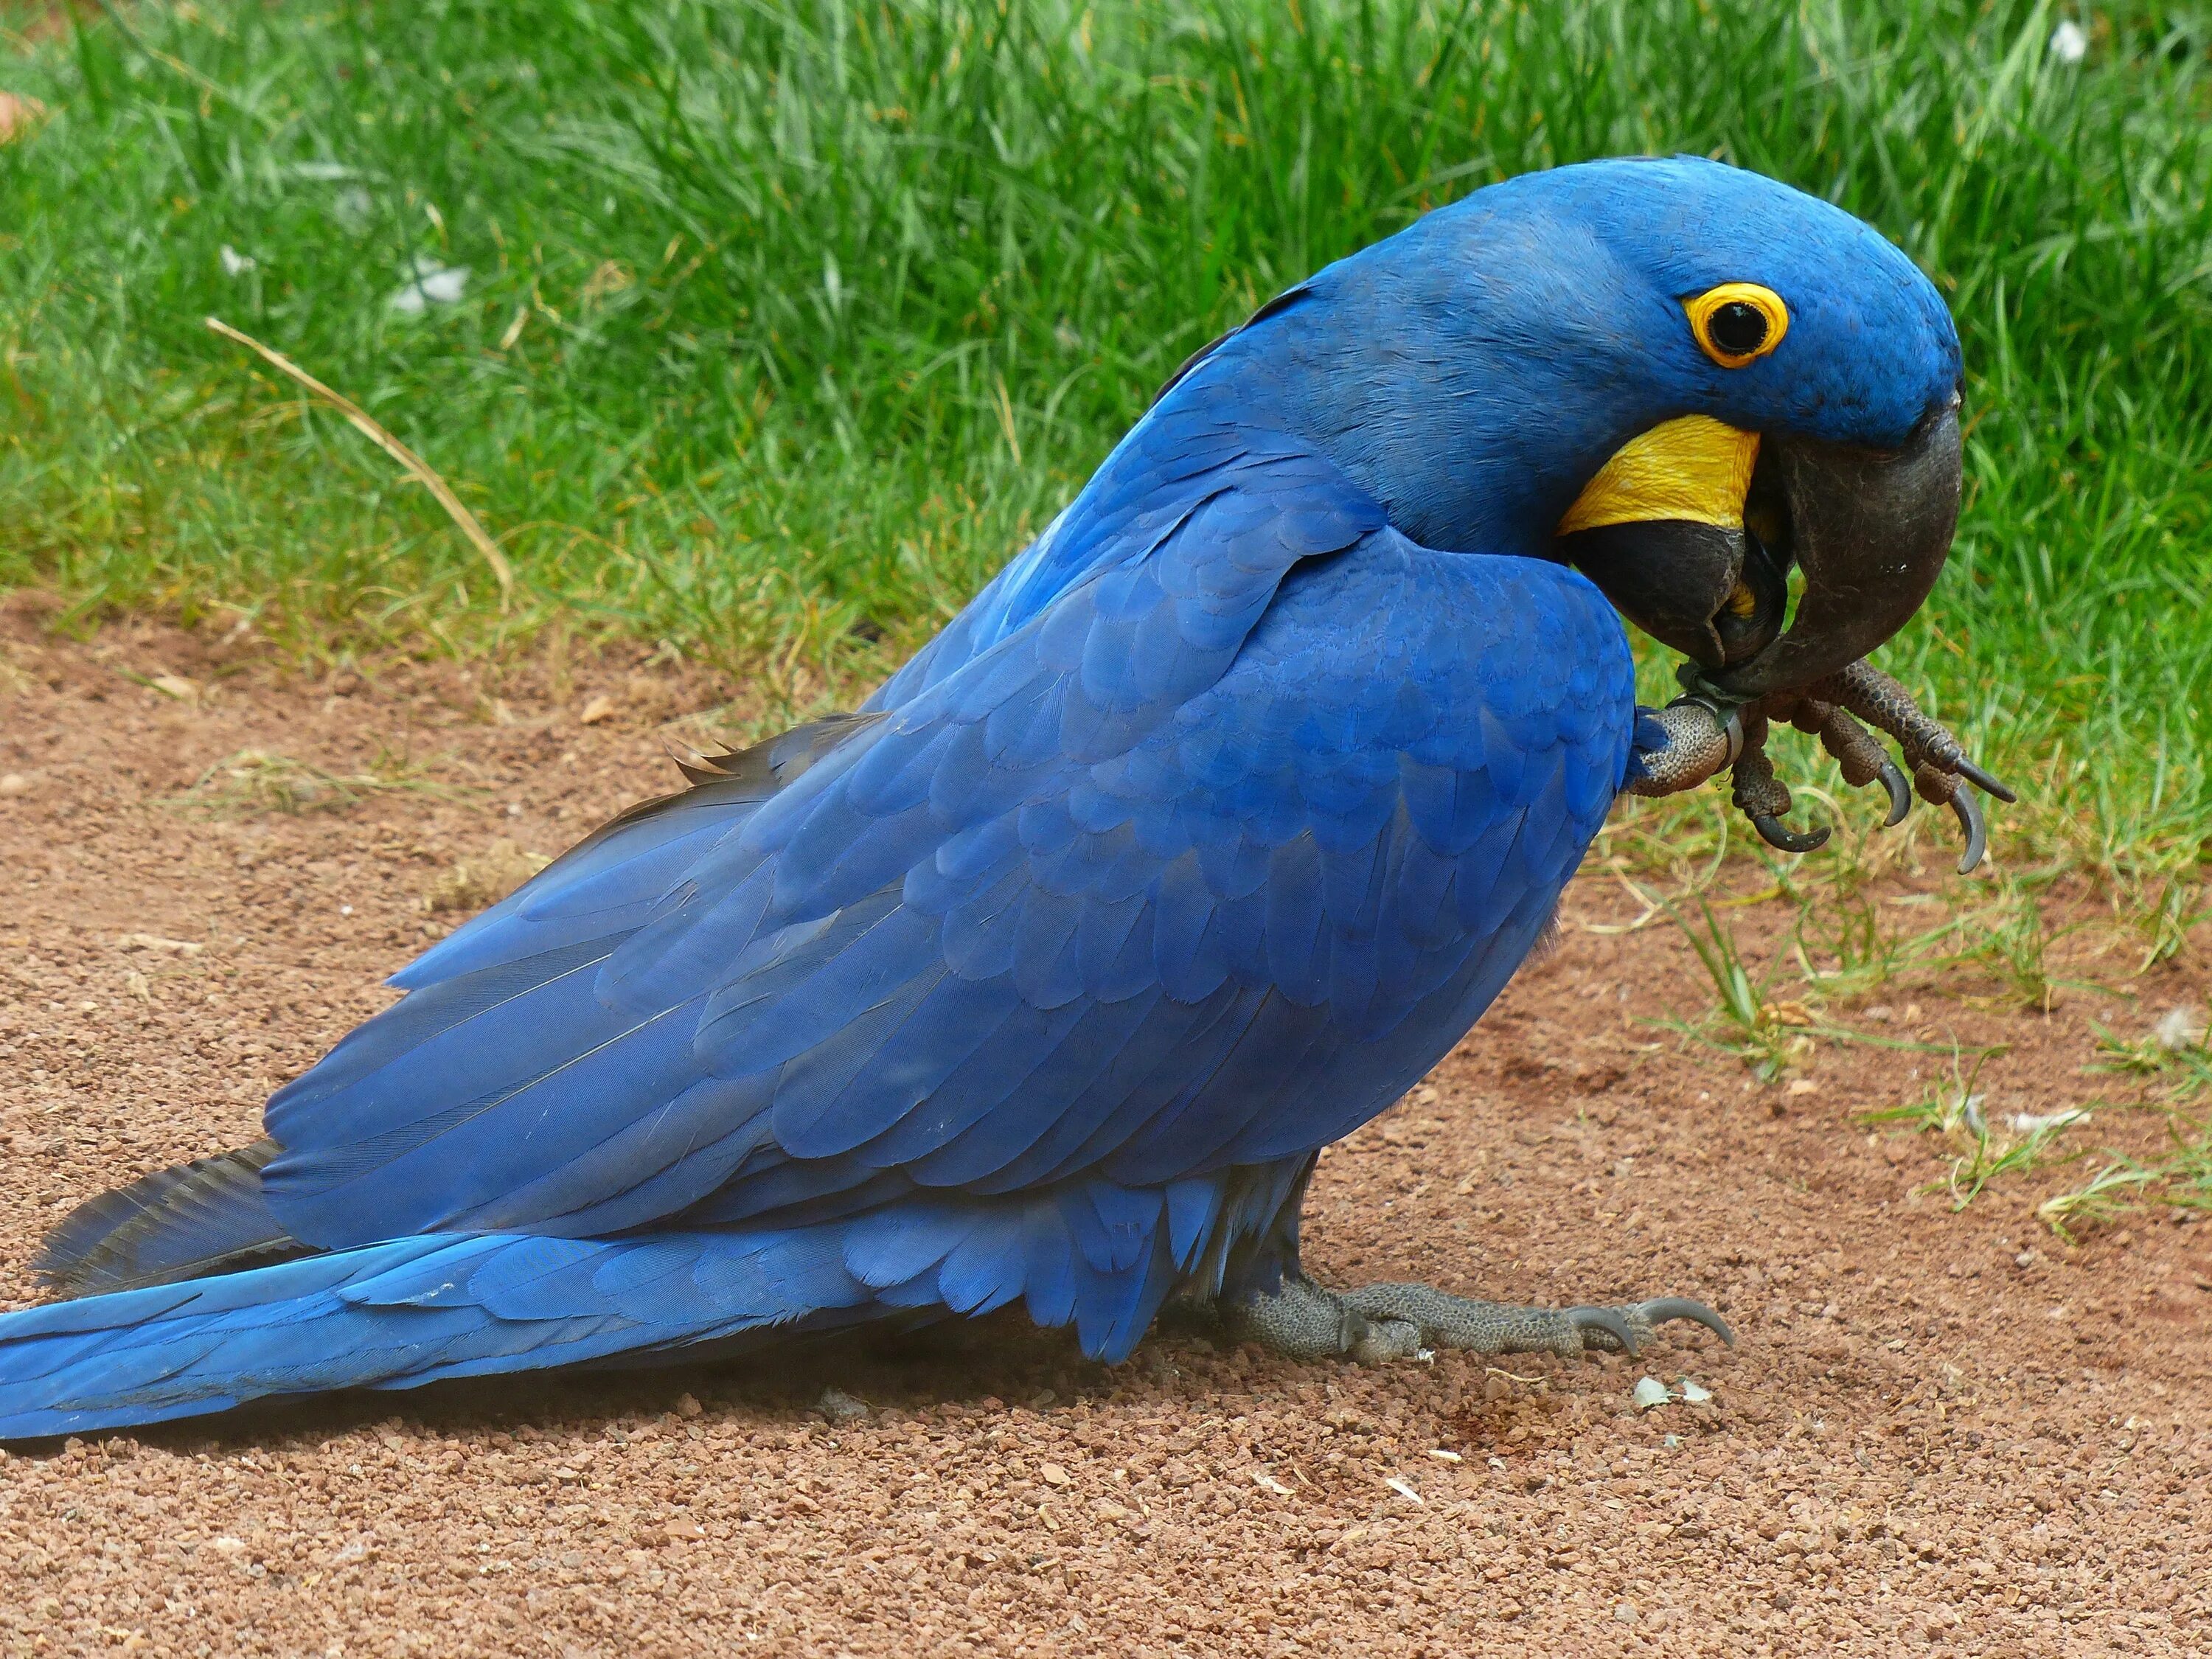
{"x":1868,"y":528}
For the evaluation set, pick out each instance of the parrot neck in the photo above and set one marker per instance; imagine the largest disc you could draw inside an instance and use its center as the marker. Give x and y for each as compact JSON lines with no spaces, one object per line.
{"x":1461,"y":461}
{"x":1440,"y":395}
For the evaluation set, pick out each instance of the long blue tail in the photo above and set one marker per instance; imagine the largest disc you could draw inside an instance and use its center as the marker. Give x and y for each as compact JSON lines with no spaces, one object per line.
{"x":398,"y":1314}
{"x":1097,"y":1256}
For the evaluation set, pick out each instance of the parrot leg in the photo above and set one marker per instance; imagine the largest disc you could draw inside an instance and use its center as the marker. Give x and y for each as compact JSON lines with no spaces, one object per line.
{"x":1303,"y":1320}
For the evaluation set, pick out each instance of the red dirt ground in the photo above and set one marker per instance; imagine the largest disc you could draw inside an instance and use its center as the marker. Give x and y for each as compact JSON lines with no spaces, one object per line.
{"x":1943,"y":1432}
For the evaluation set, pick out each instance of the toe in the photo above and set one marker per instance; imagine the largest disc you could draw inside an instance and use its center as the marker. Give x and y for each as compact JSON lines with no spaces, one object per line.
{"x":1374,"y":1341}
{"x":1660,"y":1309}
{"x":1612,"y":1321}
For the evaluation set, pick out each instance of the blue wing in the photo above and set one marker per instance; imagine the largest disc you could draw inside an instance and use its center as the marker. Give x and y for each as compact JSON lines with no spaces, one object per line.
{"x":1200,"y":864}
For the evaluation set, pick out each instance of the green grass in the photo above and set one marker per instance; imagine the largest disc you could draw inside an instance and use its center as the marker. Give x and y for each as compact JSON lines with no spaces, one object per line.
{"x":2175,"y":1068}
{"x":254,"y":781}
{"x":2164,"y":1073}
{"x":1985,"y":1152}
{"x":788,"y":319}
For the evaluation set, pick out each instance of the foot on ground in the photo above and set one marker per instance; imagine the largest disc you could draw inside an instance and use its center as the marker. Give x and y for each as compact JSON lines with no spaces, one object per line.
{"x":1303,"y":1320}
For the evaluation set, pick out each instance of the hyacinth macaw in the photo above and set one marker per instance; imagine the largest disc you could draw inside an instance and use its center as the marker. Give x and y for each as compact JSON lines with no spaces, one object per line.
{"x":1211,"y":825}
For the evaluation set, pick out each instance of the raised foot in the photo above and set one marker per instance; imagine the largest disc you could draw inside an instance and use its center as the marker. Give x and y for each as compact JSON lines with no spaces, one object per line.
{"x":1306,"y":1321}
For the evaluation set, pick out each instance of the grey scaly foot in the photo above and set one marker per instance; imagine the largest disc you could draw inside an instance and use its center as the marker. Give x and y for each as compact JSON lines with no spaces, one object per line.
{"x":1304,"y":1320}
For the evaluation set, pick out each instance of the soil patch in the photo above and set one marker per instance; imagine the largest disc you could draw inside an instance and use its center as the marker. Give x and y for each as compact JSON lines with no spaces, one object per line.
{"x":1944,"y":1432}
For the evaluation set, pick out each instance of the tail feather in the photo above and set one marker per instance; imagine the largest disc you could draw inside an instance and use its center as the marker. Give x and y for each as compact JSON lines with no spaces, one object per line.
{"x":398,"y":1314}
{"x":198,"y":1218}
{"x":416,"y":1309}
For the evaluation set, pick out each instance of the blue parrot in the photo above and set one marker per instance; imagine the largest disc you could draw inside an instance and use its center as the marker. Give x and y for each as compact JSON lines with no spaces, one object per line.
{"x":1207,"y":829}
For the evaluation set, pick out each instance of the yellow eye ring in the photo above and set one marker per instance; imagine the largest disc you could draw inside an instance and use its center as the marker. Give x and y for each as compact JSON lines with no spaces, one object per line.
{"x":1737,"y":323}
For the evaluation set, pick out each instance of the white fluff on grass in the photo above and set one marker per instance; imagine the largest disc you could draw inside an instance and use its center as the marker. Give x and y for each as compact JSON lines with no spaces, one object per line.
{"x":2179,"y":1028}
{"x":434,"y":285}
{"x":2030,"y":1123}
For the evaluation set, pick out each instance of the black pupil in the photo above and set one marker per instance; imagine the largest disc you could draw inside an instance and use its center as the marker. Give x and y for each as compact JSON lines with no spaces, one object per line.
{"x":1738,"y":328}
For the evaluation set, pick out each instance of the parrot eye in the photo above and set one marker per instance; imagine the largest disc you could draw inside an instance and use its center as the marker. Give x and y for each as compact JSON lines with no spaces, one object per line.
{"x":1738,"y":329}
{"x":1738,"y":323}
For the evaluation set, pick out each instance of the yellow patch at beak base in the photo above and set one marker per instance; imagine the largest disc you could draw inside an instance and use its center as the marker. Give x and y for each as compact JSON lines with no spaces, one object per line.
{"x":1694,"y":469}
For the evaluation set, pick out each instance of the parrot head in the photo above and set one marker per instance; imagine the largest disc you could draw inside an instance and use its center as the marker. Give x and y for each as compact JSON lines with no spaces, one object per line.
{"x":1684,"y":379}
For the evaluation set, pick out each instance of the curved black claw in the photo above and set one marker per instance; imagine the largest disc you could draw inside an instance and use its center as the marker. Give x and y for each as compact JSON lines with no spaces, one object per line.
{"x":1660,"y":1309}
{"x":1977,"y":831}
{"x":1974,"y":774}
{"x":1610,"y":1320}
{"x":1900,"y":792}
{"x":1775,"y":833}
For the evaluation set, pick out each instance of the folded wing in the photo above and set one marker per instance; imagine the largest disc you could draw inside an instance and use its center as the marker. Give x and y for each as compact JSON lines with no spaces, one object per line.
{"x":1195,"y":868}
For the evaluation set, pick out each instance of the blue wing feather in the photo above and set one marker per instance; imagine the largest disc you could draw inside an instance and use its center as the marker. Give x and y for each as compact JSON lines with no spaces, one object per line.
{"x":1201,"y":834}
{"x":910,"y":937}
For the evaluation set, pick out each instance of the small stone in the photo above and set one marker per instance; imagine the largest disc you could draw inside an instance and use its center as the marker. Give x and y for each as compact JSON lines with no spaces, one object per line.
{"x":1625,"y":1614}
{"x":687,"y":1405}
{"x":595,"y":709}
{"x":1051,"y":1475}
{"x":840,"y":1407}
{"x":155,"y":942}
{"x":177,"y":686}
{"x":14,"y":783}
{"x":682,"y":1528}
{"x":1784,"y":1600}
